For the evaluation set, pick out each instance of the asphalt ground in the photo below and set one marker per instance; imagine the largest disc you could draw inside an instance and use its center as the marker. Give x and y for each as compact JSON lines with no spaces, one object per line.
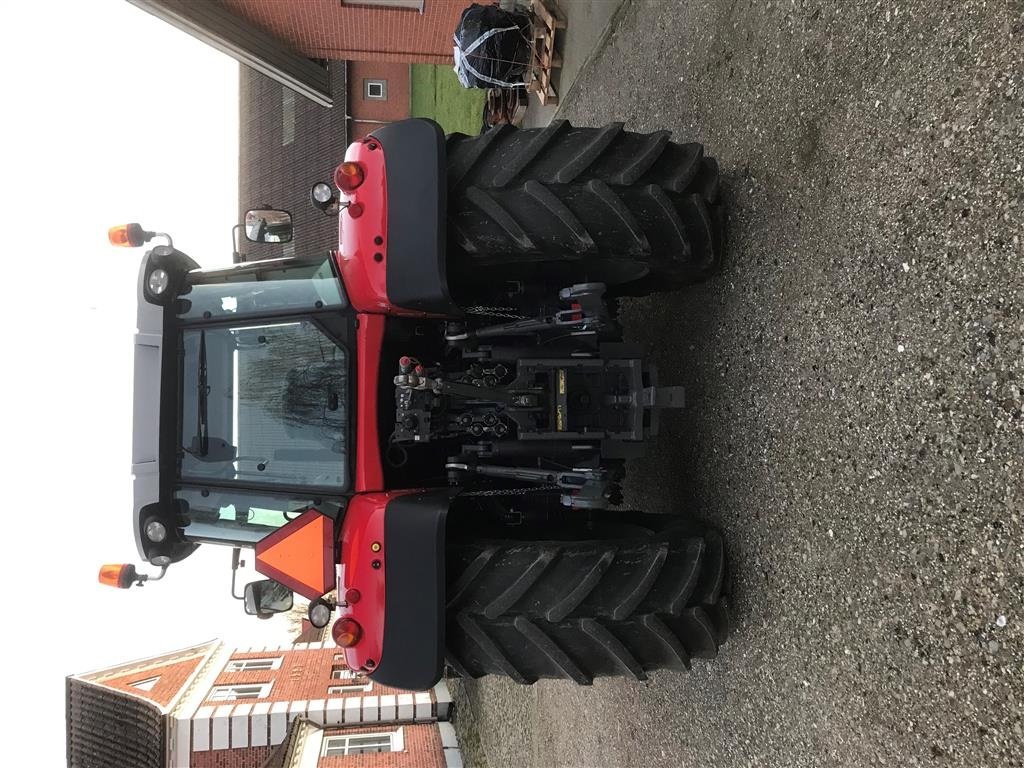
{"x":586,"y":23}
{"x":854,"y":423}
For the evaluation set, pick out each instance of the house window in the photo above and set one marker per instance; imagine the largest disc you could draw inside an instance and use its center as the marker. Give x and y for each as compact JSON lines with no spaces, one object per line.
{"x":412,"y":5}
{"x":236,"y":692}
{"x":147,"y":684}
{"x":363,"y":743}
{"x":342,"y":674}
{"x":338,"y":690}
{"x":249,"y":665}
{"x":375,"y":89}
{"x":287,"y":116}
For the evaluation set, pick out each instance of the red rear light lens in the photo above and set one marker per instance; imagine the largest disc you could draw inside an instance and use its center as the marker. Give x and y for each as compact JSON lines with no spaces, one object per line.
{"x":346,"y":632}
{"x":348,"y":176}
{"x":352,"y":595}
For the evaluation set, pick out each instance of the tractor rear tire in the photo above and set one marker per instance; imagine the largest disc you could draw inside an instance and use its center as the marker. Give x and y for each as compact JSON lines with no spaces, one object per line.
{"x":562,"y":205}
{"x":588,"y":608}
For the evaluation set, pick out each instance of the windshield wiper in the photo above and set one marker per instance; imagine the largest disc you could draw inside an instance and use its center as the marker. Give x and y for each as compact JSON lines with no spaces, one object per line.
{"x":201,"y":442}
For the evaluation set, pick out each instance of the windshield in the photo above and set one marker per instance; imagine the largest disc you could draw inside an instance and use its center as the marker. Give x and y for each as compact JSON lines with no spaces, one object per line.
{"x":264,"y":404}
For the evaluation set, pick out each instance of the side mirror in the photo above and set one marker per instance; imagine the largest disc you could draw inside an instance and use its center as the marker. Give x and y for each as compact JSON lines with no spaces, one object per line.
{"x":268,"y":225}
{"x":266,"y":597}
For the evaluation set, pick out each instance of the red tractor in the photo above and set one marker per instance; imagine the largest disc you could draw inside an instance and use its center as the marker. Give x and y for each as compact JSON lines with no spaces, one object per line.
{"x":435,"y":418}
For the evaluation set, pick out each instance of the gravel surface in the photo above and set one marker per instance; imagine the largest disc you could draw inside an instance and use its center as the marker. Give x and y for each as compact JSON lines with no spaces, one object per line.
{"x":855,"y":376}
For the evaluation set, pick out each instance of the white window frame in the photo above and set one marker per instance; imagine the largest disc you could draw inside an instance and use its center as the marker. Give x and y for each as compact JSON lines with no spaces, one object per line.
{"x":409,"y":5}
{"x":231,"y":692}
{"x":254,"y":665}
{"x":338,"y":690}
{"x":287,"y":116}
{"x":371,"y":81}
{"x":339,"y":745}
{"x":342,"y":674}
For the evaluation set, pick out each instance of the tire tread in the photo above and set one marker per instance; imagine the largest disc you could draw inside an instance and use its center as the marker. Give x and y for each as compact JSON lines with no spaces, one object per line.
{"x":583,"y":609}
{"x":561,"y":194}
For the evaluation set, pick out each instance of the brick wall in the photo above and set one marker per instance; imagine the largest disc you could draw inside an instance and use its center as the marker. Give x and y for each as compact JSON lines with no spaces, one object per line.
{"x":172,"y":677}
{"x":221,"y":730}
{"x":422,"y":749}
{"x":279,"y":172}
{"x":336,"y":29}
{"x":245,"y":733}
{"x":303,"y":675}
{"x":398,"y":104}
{"x":250,"y":757}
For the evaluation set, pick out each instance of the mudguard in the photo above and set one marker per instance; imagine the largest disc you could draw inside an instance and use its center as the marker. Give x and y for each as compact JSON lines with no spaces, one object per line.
{"x":401,"y":604}
{"x":392,"y":255}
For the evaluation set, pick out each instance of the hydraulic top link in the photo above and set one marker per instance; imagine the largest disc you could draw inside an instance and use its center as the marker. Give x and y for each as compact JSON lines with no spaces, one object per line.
{"x":440,"y":386}
{"x":587,"y":315}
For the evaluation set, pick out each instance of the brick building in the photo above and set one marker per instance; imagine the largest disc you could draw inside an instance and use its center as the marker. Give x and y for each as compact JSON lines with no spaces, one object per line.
{"x":288,"y":706}
{"x":359,"y":30}
{"x":291,"y":42}
{"x":317,"y":75}
{"x":378,"y":92}
{"x":286,"y":144}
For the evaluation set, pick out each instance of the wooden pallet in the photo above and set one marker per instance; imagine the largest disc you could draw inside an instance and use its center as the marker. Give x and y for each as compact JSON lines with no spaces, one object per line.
{"x":506,"y":105}
{"x":547,"y":20}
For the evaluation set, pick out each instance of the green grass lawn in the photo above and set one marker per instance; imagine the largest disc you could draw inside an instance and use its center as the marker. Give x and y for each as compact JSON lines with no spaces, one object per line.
{"x":437,"y":94}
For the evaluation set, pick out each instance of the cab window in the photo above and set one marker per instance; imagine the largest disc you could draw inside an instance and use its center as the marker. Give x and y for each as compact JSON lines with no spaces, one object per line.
{"x":278,"y":286}
{"x":264,"y":404}
{"x":243,"y":518}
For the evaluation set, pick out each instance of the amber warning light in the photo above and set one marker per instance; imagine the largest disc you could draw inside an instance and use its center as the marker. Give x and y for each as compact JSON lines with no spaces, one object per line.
{"x":124,"y":575}
{"x":120,"y":575}
{"x":129,"y":235}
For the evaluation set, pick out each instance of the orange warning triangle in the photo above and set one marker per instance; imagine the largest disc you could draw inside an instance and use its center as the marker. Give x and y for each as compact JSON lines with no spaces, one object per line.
{"x":300,"y":554}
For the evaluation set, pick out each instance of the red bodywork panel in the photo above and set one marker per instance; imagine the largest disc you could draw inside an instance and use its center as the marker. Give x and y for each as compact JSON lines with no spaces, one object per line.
{"x":362,"y":260}
{"x":369,"y":338}
{"x":362,"y":527}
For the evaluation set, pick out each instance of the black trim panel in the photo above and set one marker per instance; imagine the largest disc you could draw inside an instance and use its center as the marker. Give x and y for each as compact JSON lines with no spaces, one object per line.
{"x":414,"y":536}
{"x":417,"y":200}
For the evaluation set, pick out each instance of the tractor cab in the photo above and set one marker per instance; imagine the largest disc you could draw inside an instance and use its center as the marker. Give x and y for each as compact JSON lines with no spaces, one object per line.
{"x":243,"y":395}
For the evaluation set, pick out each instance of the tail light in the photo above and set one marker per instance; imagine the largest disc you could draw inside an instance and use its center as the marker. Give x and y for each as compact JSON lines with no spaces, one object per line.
{"x":346,"y":632}
{"x":348,"y":176}
{"x":120,"y":575}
